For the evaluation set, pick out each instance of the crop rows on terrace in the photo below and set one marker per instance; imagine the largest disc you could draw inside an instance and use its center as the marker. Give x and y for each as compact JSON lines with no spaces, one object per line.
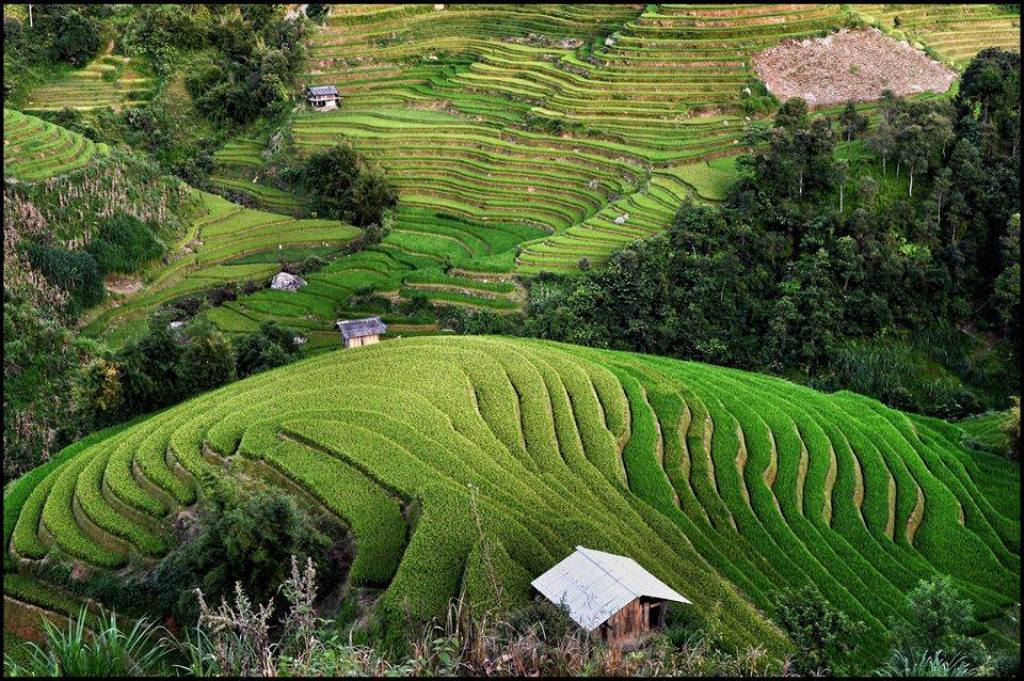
{"x":576,"y":120}
{"x":988,"y":430}
{"x":521,"y":139}
{"x":955,"y":32}
{"x":229,"y":244}
{"x":236,"y":171}
{"x":447,"y":103}
{"x":408,"y":264}
{"x":109,"y":80}
{"x":727,"y":485}
{"x":636,"y":80}
{"x":269,"y":198}
{"x":510,"y":181}
{"x":642,"y":83}
{"x":35,"y":149}
{"x":572,"y":130}
{"x":640,"y":214}
{"x":476,"y":170}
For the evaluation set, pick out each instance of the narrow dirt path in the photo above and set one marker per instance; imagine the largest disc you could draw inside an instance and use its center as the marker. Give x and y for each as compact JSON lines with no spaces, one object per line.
{"x":123,"y":285}
{"x":890,"y":524}
{"x":741,"y":463}
{"x":830,"y":483}
{"x":914,"y":521}
{"x":801,"y":470}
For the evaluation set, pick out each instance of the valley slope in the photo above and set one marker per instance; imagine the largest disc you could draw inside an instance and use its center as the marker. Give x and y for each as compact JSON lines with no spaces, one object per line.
{"x":729,"y":486}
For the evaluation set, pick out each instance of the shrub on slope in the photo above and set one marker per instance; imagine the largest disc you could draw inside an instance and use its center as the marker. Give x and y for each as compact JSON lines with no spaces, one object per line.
{"x":124,"y":244}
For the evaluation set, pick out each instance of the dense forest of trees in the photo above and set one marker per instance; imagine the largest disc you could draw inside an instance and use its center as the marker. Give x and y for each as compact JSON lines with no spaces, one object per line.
{"x":69,"y":34}
{"x":257,"y":55}
{"x":340,"y":185}
{"x":804,"y":269}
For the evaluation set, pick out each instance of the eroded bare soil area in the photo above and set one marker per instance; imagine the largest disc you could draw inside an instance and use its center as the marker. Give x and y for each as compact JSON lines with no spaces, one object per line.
{"x":849,"y":65}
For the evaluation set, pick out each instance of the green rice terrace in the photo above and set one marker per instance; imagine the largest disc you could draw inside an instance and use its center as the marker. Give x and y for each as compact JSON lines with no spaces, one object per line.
{"x":109,"y":80}
{"x":585,"y":137}
{"x":520,"y":139}
{"x":955,"y":32}
{"x":491,"y":145}
{"x":35,"y":149}
{"x":514,"y":152}
{"x":729,"y":485}
{"x":523,"y":139}
{"x":228,"y":244}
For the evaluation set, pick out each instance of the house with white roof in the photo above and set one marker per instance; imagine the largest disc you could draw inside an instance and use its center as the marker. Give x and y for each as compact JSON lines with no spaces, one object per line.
{"x":610,"y":594}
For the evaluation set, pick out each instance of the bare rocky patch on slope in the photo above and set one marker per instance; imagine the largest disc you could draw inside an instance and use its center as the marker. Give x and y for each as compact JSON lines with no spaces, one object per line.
{"x":849,"y":65}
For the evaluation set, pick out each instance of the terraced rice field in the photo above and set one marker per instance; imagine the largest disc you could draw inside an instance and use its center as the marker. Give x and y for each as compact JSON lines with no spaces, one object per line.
{"x":657,"y":87}
{"x":229,"y":244}
{"x":236,"y":170}
{"x":268,"y":198}
{"x":521,"y":139}
{"x":35,"y":149}
{"x":727,"y":485}
{"x":447,"y":103}
{"x":955,"y":32}
{"x":407,"y":264}
{"x":443,"y":100}
{"x":461,"y":108}
{"x":987,"y":430}
{"x":109,"y":80}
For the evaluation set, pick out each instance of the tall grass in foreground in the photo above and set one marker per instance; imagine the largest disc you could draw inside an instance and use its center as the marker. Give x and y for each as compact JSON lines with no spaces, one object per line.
{"x":102,"y":649}
{"x":244,"y":639}
{"x":926,"y":665}
{"x":235,"y":639}
{"x":240,"y":639}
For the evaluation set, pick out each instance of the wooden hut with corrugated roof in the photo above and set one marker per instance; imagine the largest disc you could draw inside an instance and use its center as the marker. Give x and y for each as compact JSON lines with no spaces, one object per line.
{"x":609,"y":594}
{"x":323,"y":97}
{"x":359,"y":332}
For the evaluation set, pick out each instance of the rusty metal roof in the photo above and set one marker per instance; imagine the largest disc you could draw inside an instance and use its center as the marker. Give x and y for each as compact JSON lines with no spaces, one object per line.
{"x":595,"y":585}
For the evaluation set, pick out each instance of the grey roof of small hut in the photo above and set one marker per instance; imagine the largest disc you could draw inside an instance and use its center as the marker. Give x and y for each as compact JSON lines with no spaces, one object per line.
{"x":595,"y":585}
{"x":320,"y":90}
{"x":356,"y":328}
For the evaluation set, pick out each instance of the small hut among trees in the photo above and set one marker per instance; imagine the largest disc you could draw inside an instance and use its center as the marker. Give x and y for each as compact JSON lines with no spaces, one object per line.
{"x":323,"y":97}
{"x":608,"y":593}
{"x":358,"y":332}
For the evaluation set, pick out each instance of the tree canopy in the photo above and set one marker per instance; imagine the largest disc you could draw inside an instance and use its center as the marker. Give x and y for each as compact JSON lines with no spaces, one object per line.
{"x":340,"y":185}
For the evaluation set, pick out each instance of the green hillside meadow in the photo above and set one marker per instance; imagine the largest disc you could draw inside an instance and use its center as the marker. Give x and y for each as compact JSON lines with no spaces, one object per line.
{"x":729,"y":486}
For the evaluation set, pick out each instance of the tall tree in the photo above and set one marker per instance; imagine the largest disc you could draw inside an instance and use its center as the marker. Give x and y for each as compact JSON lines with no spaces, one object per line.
{"x":990,"y":82}
{"x":799,"y":155}
{"x":911,"y":149}
{"x":852,"y":122}
{"x":881,"y":140}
